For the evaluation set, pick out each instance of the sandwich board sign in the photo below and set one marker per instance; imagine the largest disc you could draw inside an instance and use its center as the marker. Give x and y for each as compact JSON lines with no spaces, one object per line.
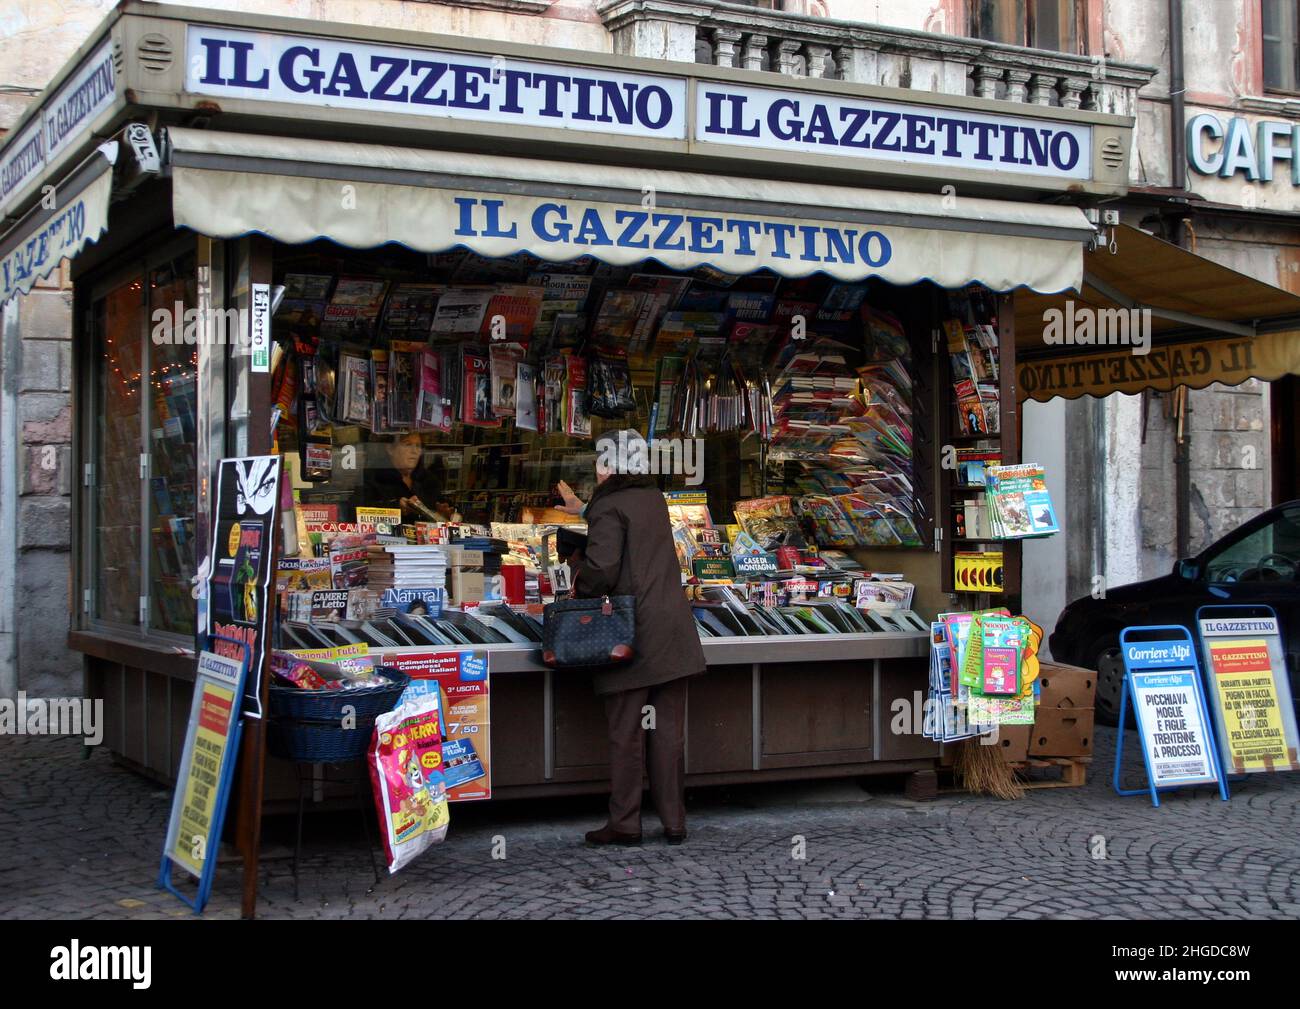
{"x":1245,"y":667}
{"x":1163,"y":681}
{"x":206,"y":771}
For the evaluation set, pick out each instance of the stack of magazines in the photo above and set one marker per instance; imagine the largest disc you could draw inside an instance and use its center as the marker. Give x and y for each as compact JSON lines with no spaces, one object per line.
{"x":1019,"y":505}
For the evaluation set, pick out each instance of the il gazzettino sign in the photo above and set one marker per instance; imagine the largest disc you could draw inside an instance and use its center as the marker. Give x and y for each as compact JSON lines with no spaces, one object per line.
{"x":337,"y":73}
{"x":35,"y":247}
{"x":62,"y":121}
{"x":223,"y":62}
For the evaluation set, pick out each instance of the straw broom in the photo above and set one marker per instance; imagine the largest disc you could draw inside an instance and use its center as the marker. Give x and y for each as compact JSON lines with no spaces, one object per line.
{"x":982,"y":771}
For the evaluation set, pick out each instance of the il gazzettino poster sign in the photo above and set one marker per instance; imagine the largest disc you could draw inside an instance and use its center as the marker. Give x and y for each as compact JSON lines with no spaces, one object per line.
{"x":1246,"y":665}
{"x":320,"y":72}
{"x":206,"y":771}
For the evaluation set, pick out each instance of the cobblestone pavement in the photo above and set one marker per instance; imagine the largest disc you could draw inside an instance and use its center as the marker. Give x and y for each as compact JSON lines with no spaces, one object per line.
{"x":81,"y":838}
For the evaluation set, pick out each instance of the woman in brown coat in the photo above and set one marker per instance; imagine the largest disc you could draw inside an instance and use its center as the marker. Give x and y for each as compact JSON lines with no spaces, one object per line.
{"x":630,"y":553}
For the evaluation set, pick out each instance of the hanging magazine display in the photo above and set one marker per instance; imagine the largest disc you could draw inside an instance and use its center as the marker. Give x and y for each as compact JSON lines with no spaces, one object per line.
{"x":1019,"y":505}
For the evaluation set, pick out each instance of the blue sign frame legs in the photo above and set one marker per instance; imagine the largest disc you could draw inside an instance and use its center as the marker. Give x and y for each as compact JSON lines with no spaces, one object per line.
{"x":1163,"y":658}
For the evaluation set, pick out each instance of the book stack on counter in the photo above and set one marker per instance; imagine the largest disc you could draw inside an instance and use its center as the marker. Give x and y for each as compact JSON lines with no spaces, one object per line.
{"x":408,"y":576}
{"x":763,"y":570}
{"x":725,"y":611}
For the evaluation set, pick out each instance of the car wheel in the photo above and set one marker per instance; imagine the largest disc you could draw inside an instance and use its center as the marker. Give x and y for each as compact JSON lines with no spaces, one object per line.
{"x":1103,"y":656}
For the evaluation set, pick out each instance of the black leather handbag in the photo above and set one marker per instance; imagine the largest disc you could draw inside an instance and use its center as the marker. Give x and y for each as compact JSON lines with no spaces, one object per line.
{"x":580,"y":633}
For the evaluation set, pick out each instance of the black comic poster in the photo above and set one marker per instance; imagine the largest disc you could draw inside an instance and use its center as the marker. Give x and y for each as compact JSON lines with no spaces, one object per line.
{"x":241,"y":563}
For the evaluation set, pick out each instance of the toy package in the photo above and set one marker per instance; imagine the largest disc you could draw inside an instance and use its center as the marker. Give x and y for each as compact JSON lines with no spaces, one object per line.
{"x":406,"y":772}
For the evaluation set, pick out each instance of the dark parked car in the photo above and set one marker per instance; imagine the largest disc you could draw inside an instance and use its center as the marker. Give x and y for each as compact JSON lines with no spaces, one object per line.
{"x":1257,"y":563}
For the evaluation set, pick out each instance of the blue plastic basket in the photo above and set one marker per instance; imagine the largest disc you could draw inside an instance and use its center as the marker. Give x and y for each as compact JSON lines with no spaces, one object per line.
{"x":327,"y":705}
{"x":308,"y":725}
{"x":319,"y":742}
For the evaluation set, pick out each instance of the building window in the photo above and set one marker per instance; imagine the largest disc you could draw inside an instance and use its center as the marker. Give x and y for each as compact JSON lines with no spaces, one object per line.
{"x":141,"y":501}
{"x":115,"y":500}
{"x":1281,"y":22}
{"x":172,"y":405}
{"x":1039,"y":24}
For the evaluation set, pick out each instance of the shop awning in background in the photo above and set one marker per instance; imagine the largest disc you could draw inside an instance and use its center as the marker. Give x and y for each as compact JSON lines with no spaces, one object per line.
{"x":1207,"y":324}
{"x":57,"y":228}
{"x":365,"y":195}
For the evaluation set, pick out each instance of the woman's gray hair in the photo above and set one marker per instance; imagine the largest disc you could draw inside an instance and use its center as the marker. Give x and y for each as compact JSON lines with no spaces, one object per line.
{"x":624,"y":451}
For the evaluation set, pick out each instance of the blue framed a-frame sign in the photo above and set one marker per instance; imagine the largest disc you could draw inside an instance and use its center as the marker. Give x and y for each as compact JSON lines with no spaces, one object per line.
{"x":206,"y":772}
{"x":1162,"y":678}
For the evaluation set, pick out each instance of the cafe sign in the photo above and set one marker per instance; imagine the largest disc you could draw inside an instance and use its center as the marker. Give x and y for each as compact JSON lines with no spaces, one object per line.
{"x":1232,"y":148}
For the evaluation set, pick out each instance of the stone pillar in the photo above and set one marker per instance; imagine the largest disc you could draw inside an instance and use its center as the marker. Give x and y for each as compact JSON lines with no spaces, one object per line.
{"x":817,"y":59}
{"x":1041,"y":90}
{"x":856,"y":63}
{"x":752,"y":57}
{"x":724,"y":46}
{"x":986,"y":81}
{"x":1072,"y":92}
{"x":1016,"y":83}
{"x":787,"y":60}
{"x":42,"y":602}
{"x":1123,"y":465}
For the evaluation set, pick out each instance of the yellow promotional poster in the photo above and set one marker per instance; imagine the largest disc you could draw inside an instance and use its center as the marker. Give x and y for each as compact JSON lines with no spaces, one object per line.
{"x":1255,"y":734}
{"x":193,"y":838}
{"x":207,"y":764}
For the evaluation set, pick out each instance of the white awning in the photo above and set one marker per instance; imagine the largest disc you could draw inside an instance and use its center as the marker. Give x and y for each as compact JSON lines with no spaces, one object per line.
{"x":366,"y":195}
{"x":58,"y":227}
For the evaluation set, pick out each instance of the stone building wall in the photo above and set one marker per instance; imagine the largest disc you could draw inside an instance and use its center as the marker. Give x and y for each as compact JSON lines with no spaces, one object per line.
{"x":42,"y":579}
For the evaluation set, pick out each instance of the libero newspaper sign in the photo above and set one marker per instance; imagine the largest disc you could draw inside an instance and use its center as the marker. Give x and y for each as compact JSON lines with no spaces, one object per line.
{"x":1246,"y":668}
{"x":225,"y":62}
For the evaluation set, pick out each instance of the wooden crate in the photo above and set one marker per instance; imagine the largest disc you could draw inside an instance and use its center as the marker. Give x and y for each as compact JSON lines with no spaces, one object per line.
{"x":1062,"y":686}
{"x":1062,"y":732}
{"x":1052,"y":772}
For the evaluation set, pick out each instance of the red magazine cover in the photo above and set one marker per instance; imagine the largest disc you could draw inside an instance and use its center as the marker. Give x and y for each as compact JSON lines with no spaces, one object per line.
{"x":476,"y":389}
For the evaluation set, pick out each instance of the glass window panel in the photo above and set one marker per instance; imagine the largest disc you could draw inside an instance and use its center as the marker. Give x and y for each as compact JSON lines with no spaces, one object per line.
{"x":1281,"y":22}
{"x":115,"y":499}
{"x":1043,"y":24}
{"x":1270,"y":553}
{"x":173,"y":368}
{"x":999,"y":21}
